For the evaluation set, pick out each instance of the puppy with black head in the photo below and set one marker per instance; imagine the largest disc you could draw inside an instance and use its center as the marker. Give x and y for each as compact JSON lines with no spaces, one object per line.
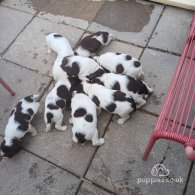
{"x":55,"y":103}
{"x":113,"y":101}
{"x":137,"y":89}
{"x":121,"y":63}
{"x":19,"y":123}
{"x":84,"y":120}
{"x":92,"y":43}
{"x":59,"y":44}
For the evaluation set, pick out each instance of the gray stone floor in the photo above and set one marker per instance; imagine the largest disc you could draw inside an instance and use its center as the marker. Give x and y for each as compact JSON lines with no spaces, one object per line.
{"x":51,"y":163}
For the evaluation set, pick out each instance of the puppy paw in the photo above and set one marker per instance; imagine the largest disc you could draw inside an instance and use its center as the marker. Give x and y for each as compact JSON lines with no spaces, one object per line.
{"x":99,"y":142}
{"x":121,"y":121}
{"x":62,"y":128}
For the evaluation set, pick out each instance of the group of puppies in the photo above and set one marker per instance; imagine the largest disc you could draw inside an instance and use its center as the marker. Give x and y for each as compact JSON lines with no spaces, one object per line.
{"x":111,"y":81}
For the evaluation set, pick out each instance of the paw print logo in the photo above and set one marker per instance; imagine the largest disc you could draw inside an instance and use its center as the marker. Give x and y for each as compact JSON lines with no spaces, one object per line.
{"x":159,"y":170}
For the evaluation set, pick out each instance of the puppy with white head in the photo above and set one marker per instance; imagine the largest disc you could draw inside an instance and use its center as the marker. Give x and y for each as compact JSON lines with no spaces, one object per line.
{"x":54,"y":105}
{"x":74,"y":66}
{"x":137,"y":89}
{"x":92,"y":43}
{"x":121,"y":63}
{"x":58,"y":44}
{"x":19,"y":123}
{"x":113,"y":101}
{"x":84,"y":120}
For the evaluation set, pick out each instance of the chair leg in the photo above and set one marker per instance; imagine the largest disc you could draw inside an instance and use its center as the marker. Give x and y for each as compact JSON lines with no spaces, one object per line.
{"x":7,"y":87}
{"x":148,"y":148}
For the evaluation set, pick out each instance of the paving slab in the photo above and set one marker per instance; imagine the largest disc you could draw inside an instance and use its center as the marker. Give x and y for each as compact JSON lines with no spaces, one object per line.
{"x":191,"y":186}
{"x":30,"y":49}
{"x":131,"y":21}
{"x":88,"y":189}
{"x":30,"y":6}
{"x":58,"y":147}
{"x":158,"y":71}
{"x":9,"y":32}
{"x":76,"y":13}
{"x":26,"y":174}
{"x":172,"y":29}
{"x":117,"y":165}
{"x":23,"y":81}
{"x":177,"y":163}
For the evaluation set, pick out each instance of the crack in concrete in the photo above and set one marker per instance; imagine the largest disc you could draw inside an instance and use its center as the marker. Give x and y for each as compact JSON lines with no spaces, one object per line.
{"x":107,"y":172}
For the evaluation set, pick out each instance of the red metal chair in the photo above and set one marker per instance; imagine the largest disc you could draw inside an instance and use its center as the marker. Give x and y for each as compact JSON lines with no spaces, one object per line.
{"x":7,"y":87}
{"x":176,"y":120}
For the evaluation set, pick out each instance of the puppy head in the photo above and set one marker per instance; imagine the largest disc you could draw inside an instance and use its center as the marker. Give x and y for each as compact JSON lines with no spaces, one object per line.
{"x":107,"y":37}
{"x":7,"y":151}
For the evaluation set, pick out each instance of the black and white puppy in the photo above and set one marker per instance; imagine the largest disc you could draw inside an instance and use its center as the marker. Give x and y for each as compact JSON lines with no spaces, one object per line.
{"x":84,"y":120}
{"x":54,"y":105}
{"x":92,"y":43}
{"x":121,"y":63}
{"x":113,"y":101}
{"x":59,"y":44}
{"x":137,"y":89}
{"x":19,"y":123}
{"x":74,"y":66}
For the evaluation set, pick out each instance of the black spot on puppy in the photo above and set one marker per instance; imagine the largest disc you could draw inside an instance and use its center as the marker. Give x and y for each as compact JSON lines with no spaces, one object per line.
{"x":116,"y":86}
{"x":89,"y":118}
{"x":80,"y":112}
{"x":29,"y":98}
{"x":118,"y":53}
{"x":65,"y":61}
{"x":128,"y":57}
{"x":30,"y":111}
{"x":57,"y":35}
{"x":60,"y":103}
{"x":71,"y":71}
{"x":111,"y":107}
{"x":96,"y":100}
{"x":52,"y":107}
{"x":119,"y":68}
{"x":49,"y":117}
{"x":136,"y":86}
{"x":62,"y":92}
{"x":75,"y":53}
{"x":23,"y":120}
{"x":96,"y":80}
{"x":119,"y":96}
{"x":137,"y":64}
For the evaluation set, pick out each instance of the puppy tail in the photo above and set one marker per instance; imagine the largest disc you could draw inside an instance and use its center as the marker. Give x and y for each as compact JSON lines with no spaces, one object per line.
{"x":80,"y":137}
